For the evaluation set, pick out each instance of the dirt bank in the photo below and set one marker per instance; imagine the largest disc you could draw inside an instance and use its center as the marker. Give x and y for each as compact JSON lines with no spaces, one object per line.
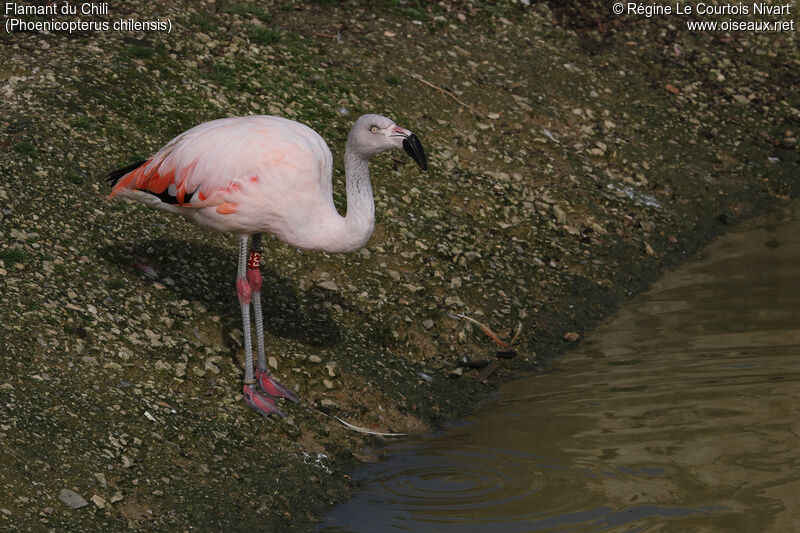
{"x":574,"y":155}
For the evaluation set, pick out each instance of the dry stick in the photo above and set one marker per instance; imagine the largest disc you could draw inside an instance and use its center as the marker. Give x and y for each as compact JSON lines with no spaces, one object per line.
{"x":351,"y":427}
{"x":516,"y":334}
{"x":368,"y":431}
{"x":491,"y":334}
{"x":445,"y":91}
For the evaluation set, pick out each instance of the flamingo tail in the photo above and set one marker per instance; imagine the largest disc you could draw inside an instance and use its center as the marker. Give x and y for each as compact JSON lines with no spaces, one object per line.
{"x":116,"y":175}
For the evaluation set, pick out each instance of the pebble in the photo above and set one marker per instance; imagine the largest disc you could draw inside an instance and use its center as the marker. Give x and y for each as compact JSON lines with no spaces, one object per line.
{"x":329,"y":285}
{"x":559,"y":214}
{"x":72,"y":499}
{"x":331,"y":368}
{"x":99,"y":501}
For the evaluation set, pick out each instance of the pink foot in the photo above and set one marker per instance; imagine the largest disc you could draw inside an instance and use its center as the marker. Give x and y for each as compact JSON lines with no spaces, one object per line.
{"x":270,"y":387}
{"x":260,"y":403}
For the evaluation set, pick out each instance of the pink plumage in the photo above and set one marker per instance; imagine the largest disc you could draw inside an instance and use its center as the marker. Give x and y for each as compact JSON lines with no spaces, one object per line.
{"x":242,"y":175}
{"x":264,"y":174}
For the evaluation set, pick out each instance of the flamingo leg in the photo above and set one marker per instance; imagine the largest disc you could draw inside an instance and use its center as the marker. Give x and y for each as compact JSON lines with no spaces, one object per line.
{"x":266,"y":383}
{"x":263,"y":404}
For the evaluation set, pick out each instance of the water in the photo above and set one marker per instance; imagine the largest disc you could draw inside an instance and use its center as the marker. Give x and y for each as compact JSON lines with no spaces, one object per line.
{"x":680,"y":413}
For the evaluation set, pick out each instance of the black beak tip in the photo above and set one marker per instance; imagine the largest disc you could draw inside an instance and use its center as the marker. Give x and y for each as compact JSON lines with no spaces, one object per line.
{"x":413,"y":147}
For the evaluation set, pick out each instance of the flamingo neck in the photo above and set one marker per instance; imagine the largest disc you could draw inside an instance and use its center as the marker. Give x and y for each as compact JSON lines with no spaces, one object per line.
{"x":359,"y":221}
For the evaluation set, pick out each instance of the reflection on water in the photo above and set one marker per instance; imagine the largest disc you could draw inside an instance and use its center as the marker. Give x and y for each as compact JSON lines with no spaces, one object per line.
{"x":680,"y":413}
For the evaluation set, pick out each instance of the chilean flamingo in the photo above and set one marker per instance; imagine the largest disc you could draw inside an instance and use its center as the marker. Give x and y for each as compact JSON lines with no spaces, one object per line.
{"x":263,"y":174}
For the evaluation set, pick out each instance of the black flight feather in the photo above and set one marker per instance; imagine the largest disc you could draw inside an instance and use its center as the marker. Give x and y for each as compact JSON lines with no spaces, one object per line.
{"x":115,"y":175}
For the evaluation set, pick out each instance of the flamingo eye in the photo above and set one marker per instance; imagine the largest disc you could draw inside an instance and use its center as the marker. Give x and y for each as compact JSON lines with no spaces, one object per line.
{"x":374,"y":129}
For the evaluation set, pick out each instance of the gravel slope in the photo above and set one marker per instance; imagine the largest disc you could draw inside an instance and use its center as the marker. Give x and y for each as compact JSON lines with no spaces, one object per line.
{"x":573,"y":155}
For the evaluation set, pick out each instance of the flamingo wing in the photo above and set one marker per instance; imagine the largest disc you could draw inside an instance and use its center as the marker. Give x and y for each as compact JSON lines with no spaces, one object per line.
{"x":204,"y":165}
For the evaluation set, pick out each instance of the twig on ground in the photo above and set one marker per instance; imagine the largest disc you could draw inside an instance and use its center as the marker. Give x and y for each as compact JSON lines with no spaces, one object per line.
{"x":369,"y":431}
{"x":448,"y":93}
{"x":491,"y":334}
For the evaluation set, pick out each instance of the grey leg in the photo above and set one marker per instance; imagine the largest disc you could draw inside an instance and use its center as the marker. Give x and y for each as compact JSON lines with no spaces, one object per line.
{"x":266,"y":383}
{"x":245,"y":295}
{"x":258,"y":316}
{"x":252,"y":397}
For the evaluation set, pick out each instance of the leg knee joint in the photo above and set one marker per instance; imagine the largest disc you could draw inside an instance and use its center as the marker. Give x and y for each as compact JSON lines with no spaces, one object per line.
{"x":244,"y":291}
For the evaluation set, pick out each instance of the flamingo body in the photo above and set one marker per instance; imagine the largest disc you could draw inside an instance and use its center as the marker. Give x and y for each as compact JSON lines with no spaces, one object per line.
{"x":264,"y":174}
{"x":244,"y":175}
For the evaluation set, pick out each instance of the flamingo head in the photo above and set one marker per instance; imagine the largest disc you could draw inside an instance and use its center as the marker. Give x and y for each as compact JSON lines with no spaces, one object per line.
{"x":373,"y":134}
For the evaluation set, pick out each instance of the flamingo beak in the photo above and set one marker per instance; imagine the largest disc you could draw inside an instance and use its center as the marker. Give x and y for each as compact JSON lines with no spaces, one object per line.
{"x":413,"y":147}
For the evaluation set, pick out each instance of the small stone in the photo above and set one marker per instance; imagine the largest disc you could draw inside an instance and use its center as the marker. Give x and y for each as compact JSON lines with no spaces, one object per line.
{"x":328,"y":384}
{"x":72,"y":499}
{"x":647,"y":226}
{"x":101,"y":478}
{"x":561,"y":216}
{"x":672,"y":89}
{"x":315,"y":358}
{"x":329,"y":285}
{"x":99,"y":501}
{"x":331,"y":368}
{"x":211,"y":363}
{"x":272,"y":362}
{"x":453,"y":300}
{"x":571,"y":336}
{"x":427,"y":324}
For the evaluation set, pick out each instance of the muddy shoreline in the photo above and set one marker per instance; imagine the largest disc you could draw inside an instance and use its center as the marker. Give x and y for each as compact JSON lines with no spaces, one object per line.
{"x":574,"y":156}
